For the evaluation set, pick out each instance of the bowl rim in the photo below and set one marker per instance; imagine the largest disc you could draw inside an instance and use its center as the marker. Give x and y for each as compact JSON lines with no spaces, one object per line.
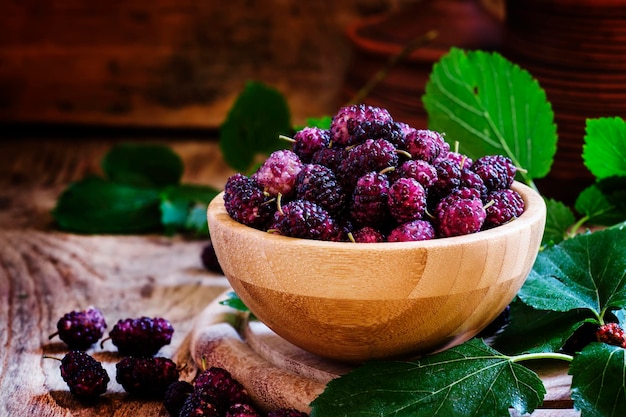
{"x":534,"y":211}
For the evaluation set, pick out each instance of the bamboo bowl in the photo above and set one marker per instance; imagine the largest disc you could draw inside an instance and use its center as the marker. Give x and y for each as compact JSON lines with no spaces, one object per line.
{"x":359,"y":301}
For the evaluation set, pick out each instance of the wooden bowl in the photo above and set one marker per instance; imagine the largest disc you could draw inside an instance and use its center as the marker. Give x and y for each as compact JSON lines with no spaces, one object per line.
{"x":359,"y":301}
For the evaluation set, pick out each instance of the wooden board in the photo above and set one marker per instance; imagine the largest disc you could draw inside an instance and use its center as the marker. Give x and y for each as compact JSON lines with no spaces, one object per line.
{"x":277,"y":373}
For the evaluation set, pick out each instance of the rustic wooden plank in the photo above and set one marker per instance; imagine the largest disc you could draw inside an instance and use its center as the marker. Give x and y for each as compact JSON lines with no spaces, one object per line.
{"x":166,"y":63}
{"x":44,"y":275}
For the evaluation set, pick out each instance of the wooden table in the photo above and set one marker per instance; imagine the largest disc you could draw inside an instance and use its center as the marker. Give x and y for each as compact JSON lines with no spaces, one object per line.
{"x":45,"y":273}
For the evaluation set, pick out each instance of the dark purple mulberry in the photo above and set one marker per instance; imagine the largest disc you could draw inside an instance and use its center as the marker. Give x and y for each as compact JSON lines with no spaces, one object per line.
{"x":412,"y":231}
{"x":307,"y":220}
{"x":424,"y":144}
{"x":246,"y":202}
{"x":448,"y":178}
{"x":318,"y":184}
{"x":85,"y":376}
{"x":459,"y":216}
{"x":199,"y":404}
{"x":143,"y":336}
{"x":241,"y":410}
{"x":287,"y":412}
{"x":371,"y":155}
{"x":146,"y":377}
{"x":329,"y":157}
{"x":502,"y":206}
{"x":209,"y":259}
{"x":422,"y":171}
{"x":277,"y":174}
{"x":406,"y":200}
{"x":369,"y":200}
{"x":353,"y":124}
{"x":470,"y":179}
{"x":175,"y":396}
{"x":224,"y":388}
{"x":368,"y":234}
{"x":496,"y":171}
{"x":81,"y":329}
{"x":308,"y":141}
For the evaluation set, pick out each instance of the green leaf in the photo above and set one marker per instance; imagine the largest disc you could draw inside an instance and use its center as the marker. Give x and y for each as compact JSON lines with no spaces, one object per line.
{"x":492,"y":106}
{"x":614,"y":189}
{"x":467,"y":380}
{"x":253,"y":125}
{"x":604,"y":150}
{"x":234,"y":301}
{"x":94,"y":205}
{"x":183,"y":207}
{"x":559,"y":219}
{"x":533,"y":331}
{"x":586,"y":271}
{"x":597,"y":209}
{"x":142,"y":165}
{"x":598,"y":381}
{"x":321,"y":122}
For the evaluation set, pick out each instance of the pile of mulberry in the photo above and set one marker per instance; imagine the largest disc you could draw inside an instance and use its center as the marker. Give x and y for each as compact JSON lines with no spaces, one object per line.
{"x":370,"y":178}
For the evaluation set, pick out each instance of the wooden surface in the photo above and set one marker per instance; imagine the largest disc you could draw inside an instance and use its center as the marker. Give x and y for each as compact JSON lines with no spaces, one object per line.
{"x":45,"y":273}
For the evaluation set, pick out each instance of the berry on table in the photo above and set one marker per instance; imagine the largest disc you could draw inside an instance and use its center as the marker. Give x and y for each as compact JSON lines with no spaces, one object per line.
{"x":175,"y":396}
{"x":209,"y":258}
{"x":277,"y":174}
{"x":143,"y":336}
{"x":84,"y":375}
{"x":81,"y":329}
{"x":199,"y":404}
{"x":242,"y":410}
{"x":220,"y":384}
{"x":147,"y":377}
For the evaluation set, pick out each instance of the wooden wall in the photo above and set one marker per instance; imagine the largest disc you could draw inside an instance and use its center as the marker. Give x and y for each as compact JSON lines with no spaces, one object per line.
{"x":169,"y":63}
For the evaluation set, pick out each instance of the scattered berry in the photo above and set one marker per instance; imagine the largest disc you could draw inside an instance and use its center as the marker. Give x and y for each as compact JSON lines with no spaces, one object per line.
{"x":85,"y":376}
{"x":81,"y":329}
{"x":220,"y":384}
{"x":143,"y":336}
{"x":146,"y":377}
{"x":612,"y":334}
{"x":505,"y":205}
{"x":241,"y":410}
{"x":175,"y":396}
{"x":305,"y":219}
{"x":246,"y":202}
{"x":198,"y":404}
{"x":277,"y":174}
{"x":287,"y":412}
{"x":412,"y":231}
{"x":209,"y":259}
